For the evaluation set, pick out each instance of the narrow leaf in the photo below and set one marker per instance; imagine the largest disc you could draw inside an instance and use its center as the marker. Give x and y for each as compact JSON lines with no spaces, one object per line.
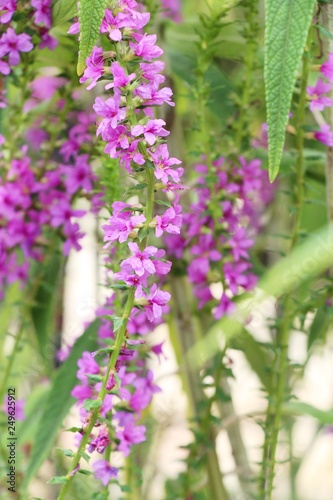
{"x":287,"y":26}
{"x":299,"y":408}
{"x":91,"y":13}
{"x":58,"y":480}
{"x":58,"y":402}
{"x":63,"y":10}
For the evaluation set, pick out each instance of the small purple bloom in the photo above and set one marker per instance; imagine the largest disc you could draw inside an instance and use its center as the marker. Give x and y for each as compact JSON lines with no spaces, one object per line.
{"x":104,"y":472}
{"x":325,"y":135}
{"x":13,"y":44}
{"x":100,"y":442}
{"x":318,"y":100}
{"x":327,"y":68}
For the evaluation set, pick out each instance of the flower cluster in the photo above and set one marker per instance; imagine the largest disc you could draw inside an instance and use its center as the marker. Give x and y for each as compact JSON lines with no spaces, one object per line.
{"x":319,"y":101}
{"x":137,"y":139}
{"x":12,"y":44}
{"x":218,"y":231}
{"x":37,"y":193}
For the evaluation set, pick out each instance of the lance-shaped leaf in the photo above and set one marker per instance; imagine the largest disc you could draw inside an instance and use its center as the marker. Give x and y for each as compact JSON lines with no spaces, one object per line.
{"x":58,"y":402}
{"x":63,"y":10}
{"x":287,"y":26}
{"x":91,"y":13}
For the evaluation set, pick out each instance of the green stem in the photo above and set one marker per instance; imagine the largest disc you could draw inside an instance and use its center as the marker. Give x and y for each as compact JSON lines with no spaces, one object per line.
{"x":186,"y":329}
{"x":251,"y":38}
{"x":281,"y":365}
{"x":327,"y":21}
{"x":120,"y":336}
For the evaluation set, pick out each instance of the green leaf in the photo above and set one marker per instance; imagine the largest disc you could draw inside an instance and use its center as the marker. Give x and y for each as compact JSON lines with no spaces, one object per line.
{"x":220,"y":87}
{"x":85,"y":472}
{"x":319,"y":327}
{"x":255,"y":355}
{"x":306,"y":261}
{"x":45,"y":301}
{"x":91,"y":13}
{"x":287,"y":26}
{"x":67,"y":452}
{"x":90,"y":404}
{"x":58,"y":480}
{"x":59,"y":402}
{"x":299,"y":408}
{"x":117,"y":323}
{"x":63,"y":10}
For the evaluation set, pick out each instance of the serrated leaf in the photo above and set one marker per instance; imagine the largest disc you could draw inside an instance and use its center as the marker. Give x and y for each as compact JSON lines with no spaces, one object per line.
{"x":58,"y":480}
{"x":63,"y":10}
{"x":91,"y":13}
{"x":287,"y":26}
{"x":59,"y":402}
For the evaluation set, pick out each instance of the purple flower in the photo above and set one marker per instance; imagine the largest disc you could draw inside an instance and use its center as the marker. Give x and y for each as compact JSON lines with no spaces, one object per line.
{"x":100,"y":442}
{"x":42,"y":16}
{"x":151,"y":131}
{"x":18,"y":408}
{"x":327,"y":68}
{"x":120,"y":78}
{"x":117,"y":138}
{"x":4,"y":68}
{"x":131,"y":154}
{"x":169,"y":222}
{"x":163,"y":165}
{"x":129,"y":435}
{"x":87,"y":365}
{"x":240,"y":243}
{"x":325,"y":135}
{"x":119,"y":228}
{"x":73,"y":235}
{"x":145,"y":47}
{"x":104,"y":472}
{"x":95,"y":67}
{"x":152,"y":95}
{"x":154,"y":302}
{"x":78,"y":176}
{"x":141,"y":262}
{"x":110,"y":111}
{"x":318,"y":100}
{"x":7,"y":7}
{"x":225,"y":307}
{"x":172,"y":10}
{"x":145,"y":388}
{"x":13,"y":44}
